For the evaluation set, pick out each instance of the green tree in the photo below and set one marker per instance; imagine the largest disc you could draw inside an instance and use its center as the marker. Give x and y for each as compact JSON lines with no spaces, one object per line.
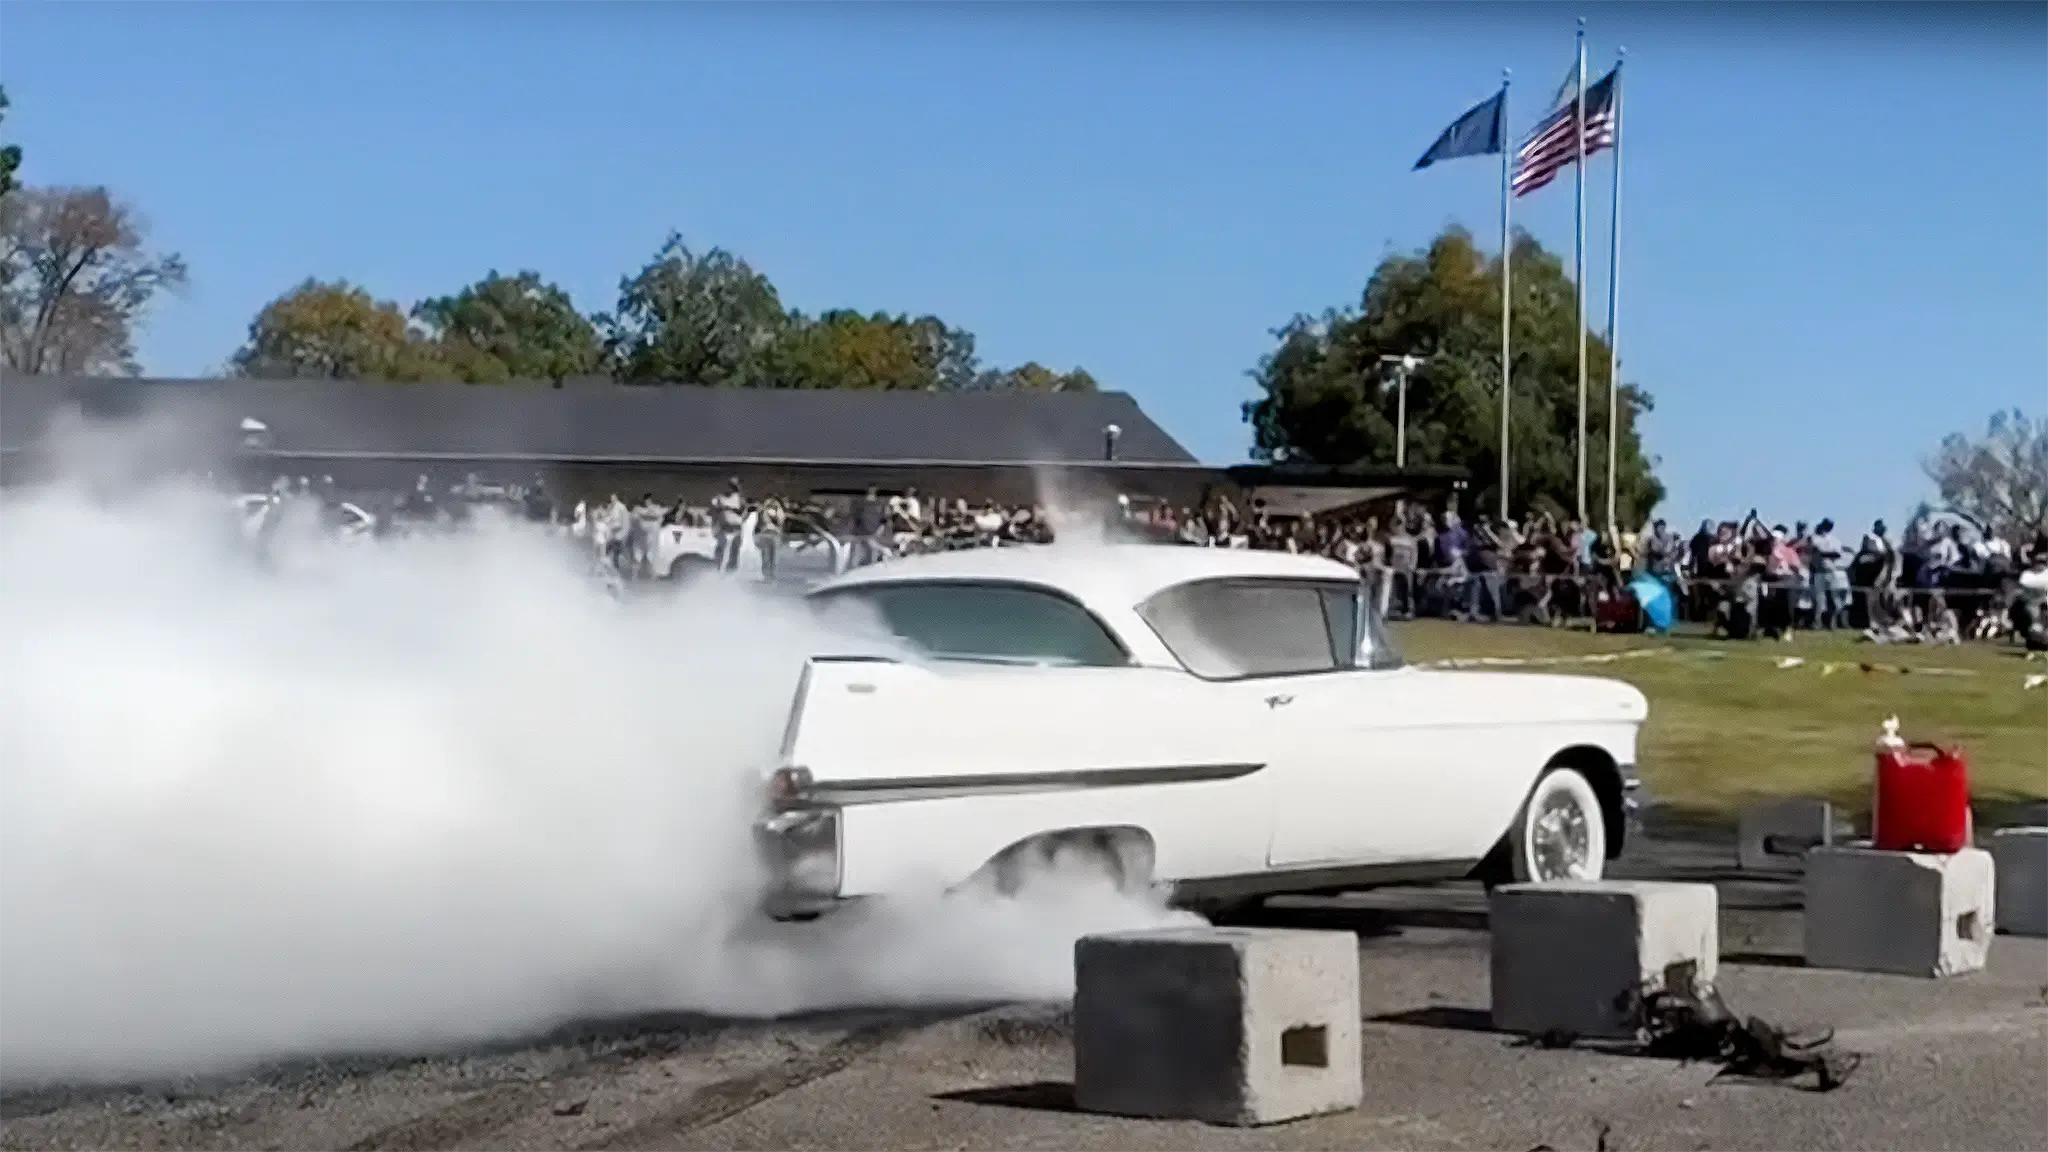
{"x":691,"y":318}
{"x":1035,"y":377}
{"x":10,"y":156}
{"x":511,"y":328}
{"x":337,"y":330}
{"x":844,"y":349}
{"x":1326,"y":400}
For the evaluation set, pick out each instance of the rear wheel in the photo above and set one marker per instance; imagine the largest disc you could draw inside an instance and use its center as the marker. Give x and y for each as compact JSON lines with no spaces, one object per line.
{"x":1119,"y":860}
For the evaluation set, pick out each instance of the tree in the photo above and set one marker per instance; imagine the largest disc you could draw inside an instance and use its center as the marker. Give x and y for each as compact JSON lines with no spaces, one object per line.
{"x":337,"y":330}
{"x":10,"y":156}
{"x":2000,"y":481}
{"x":844,"y":349}
{"x":1035,"y":377}
{"x":511,"y":328}
{"x":1327,"y":402}
{"x":75,"y":281}
{"x":691,"y":318}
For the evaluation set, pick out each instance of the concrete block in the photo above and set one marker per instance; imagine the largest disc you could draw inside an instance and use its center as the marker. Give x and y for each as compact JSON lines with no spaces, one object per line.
{"x":1228,"y":1025}
{"x":1776,"y":836}
{"x":1578,"y":957}
{"x":2020,"y":861}
{"x":1908,"y":913}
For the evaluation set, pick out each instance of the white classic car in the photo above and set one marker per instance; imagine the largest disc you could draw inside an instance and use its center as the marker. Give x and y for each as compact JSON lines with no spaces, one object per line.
{"x":1230,"y":724}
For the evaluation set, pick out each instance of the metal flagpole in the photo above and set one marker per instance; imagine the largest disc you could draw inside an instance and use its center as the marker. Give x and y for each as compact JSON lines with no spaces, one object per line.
{"x":1579,"y":152}
{"x":1506,"y":298}
{"x":1614,"y":306}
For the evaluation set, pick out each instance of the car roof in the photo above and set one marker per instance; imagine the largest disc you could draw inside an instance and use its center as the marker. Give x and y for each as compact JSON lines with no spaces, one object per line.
{"x":1098,"y":575}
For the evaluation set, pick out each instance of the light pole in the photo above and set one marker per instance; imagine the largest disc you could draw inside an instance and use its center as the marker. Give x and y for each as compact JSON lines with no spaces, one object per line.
{"x":1402,"y":366}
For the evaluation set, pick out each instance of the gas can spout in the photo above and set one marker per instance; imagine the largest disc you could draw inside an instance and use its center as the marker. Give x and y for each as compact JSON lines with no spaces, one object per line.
{"x":1890,"y":739}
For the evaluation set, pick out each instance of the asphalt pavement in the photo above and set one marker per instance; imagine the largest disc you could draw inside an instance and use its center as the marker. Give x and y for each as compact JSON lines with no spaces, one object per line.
{"x":1958,"y":1063}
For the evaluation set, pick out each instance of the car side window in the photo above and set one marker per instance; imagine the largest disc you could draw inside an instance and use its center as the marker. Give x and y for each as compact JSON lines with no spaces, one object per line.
{"x":1008,"y":623}
{"x":1230,"y":629}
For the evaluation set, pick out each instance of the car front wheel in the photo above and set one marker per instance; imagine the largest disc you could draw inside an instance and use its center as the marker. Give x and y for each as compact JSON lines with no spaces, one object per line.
{"x":1560,"y":833}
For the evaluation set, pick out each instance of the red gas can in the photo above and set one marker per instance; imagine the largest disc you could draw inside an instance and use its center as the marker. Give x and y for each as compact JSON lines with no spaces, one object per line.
{"x":1922,"y":801}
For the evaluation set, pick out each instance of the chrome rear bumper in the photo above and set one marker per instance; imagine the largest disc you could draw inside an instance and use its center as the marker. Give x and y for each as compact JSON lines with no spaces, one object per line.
{"x":799,"y":851}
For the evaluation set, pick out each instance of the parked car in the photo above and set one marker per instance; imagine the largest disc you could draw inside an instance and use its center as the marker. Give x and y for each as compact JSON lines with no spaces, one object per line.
{"x":1229,"y":724}
{"x":808,"y":553}
{"x":348,"y":521}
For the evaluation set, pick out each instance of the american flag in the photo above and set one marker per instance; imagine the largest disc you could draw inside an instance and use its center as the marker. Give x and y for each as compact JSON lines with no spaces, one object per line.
{"x":1550,"y":149}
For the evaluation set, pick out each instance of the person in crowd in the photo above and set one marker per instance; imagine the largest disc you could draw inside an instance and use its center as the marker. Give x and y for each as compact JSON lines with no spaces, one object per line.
{"x":1662,"y":552}
{"x":1699,"y":550}
{"x":870,"y":529}
{"x":728,"y":516}
{"x":642,"y":535}
{"x":1784,"y":574}
{"x":769,"y":523}
{"x":1485,"y":558}
{"x":2029,"y":611}
{"x":616,"y":528}
{"x":1874,"y":569}
{"x":1942,"y":626}
{"x":537,"y":503}
{"x":1735,"y":616}
{"x":989,"y":521}
{"x":1452,"y":545}
{"x":418,"y":504}
{"x":1940,"y":554}
{"x":1827,"y":563}
{"x":1370,"y":554}
{"x":1402,"y":561}
{"x":908,"y":511}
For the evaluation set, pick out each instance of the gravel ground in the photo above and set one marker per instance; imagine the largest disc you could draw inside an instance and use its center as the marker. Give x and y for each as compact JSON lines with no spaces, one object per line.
{"x":1961,"y":1063}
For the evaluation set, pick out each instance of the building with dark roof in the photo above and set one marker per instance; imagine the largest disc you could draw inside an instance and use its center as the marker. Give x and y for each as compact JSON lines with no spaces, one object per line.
{"x":595,"y":437}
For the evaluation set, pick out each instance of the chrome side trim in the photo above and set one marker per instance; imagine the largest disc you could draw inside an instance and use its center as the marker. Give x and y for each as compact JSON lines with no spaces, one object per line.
{"x":845,"y":793}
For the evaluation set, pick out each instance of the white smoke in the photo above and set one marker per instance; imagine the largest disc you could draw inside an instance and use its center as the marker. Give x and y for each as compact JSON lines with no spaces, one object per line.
{"x":402,"y":795}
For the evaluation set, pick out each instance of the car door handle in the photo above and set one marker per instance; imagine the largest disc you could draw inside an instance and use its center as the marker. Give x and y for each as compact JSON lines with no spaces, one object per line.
{"x":1277,"y":701}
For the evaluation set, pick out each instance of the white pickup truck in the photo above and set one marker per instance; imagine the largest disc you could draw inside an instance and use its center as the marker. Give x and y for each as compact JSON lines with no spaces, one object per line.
{"x":1230,"y":724}
{"x":808,"y":552}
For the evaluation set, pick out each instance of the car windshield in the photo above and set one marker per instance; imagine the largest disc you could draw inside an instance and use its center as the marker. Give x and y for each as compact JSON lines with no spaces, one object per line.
{"x":987,"y":622}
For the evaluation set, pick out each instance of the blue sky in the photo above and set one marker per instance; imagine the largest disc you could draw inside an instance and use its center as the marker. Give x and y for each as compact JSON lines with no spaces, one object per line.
{"x":1835,"y":243}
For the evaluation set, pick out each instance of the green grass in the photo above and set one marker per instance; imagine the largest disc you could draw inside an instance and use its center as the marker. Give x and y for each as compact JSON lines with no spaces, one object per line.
{"x":1727,"y":726}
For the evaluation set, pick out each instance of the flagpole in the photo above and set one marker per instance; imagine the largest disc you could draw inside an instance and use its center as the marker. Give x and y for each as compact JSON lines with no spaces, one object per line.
{"x":1506,"y":298}
{"x":1579,"y":152}
{"x":1614,"y":306}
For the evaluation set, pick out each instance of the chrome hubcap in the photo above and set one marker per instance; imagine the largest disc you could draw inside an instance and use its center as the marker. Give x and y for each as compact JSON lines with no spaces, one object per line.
{"x":1559,"y":840}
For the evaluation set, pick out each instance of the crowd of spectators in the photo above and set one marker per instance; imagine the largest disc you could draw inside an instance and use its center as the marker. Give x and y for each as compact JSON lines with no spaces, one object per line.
{"x":1944,"y":581}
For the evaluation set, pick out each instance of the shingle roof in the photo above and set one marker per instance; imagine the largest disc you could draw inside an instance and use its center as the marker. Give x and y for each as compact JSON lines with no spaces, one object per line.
{"x":604,"y":421}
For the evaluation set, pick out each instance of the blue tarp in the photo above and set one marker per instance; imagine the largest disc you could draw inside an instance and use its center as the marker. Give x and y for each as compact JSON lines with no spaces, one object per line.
{"x":1654,"y":597}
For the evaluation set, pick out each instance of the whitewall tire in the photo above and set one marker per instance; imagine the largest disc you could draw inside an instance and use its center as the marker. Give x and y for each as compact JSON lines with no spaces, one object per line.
{"x":1560,"y":833}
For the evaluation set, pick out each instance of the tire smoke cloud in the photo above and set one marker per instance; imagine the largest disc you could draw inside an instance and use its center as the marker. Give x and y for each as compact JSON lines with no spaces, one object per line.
{"x":407,"y":794}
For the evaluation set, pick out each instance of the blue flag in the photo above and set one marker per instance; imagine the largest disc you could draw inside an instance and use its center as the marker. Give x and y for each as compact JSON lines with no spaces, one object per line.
{"x":1480,"y":132}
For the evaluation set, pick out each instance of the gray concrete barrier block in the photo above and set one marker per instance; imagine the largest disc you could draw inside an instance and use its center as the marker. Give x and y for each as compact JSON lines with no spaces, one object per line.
{"x":1776,"y":836}
{"x":2020,"y":860}
{"x":1907,"y":913}
{"x":1227,"y":1025}
{"x":1578,"y":957}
